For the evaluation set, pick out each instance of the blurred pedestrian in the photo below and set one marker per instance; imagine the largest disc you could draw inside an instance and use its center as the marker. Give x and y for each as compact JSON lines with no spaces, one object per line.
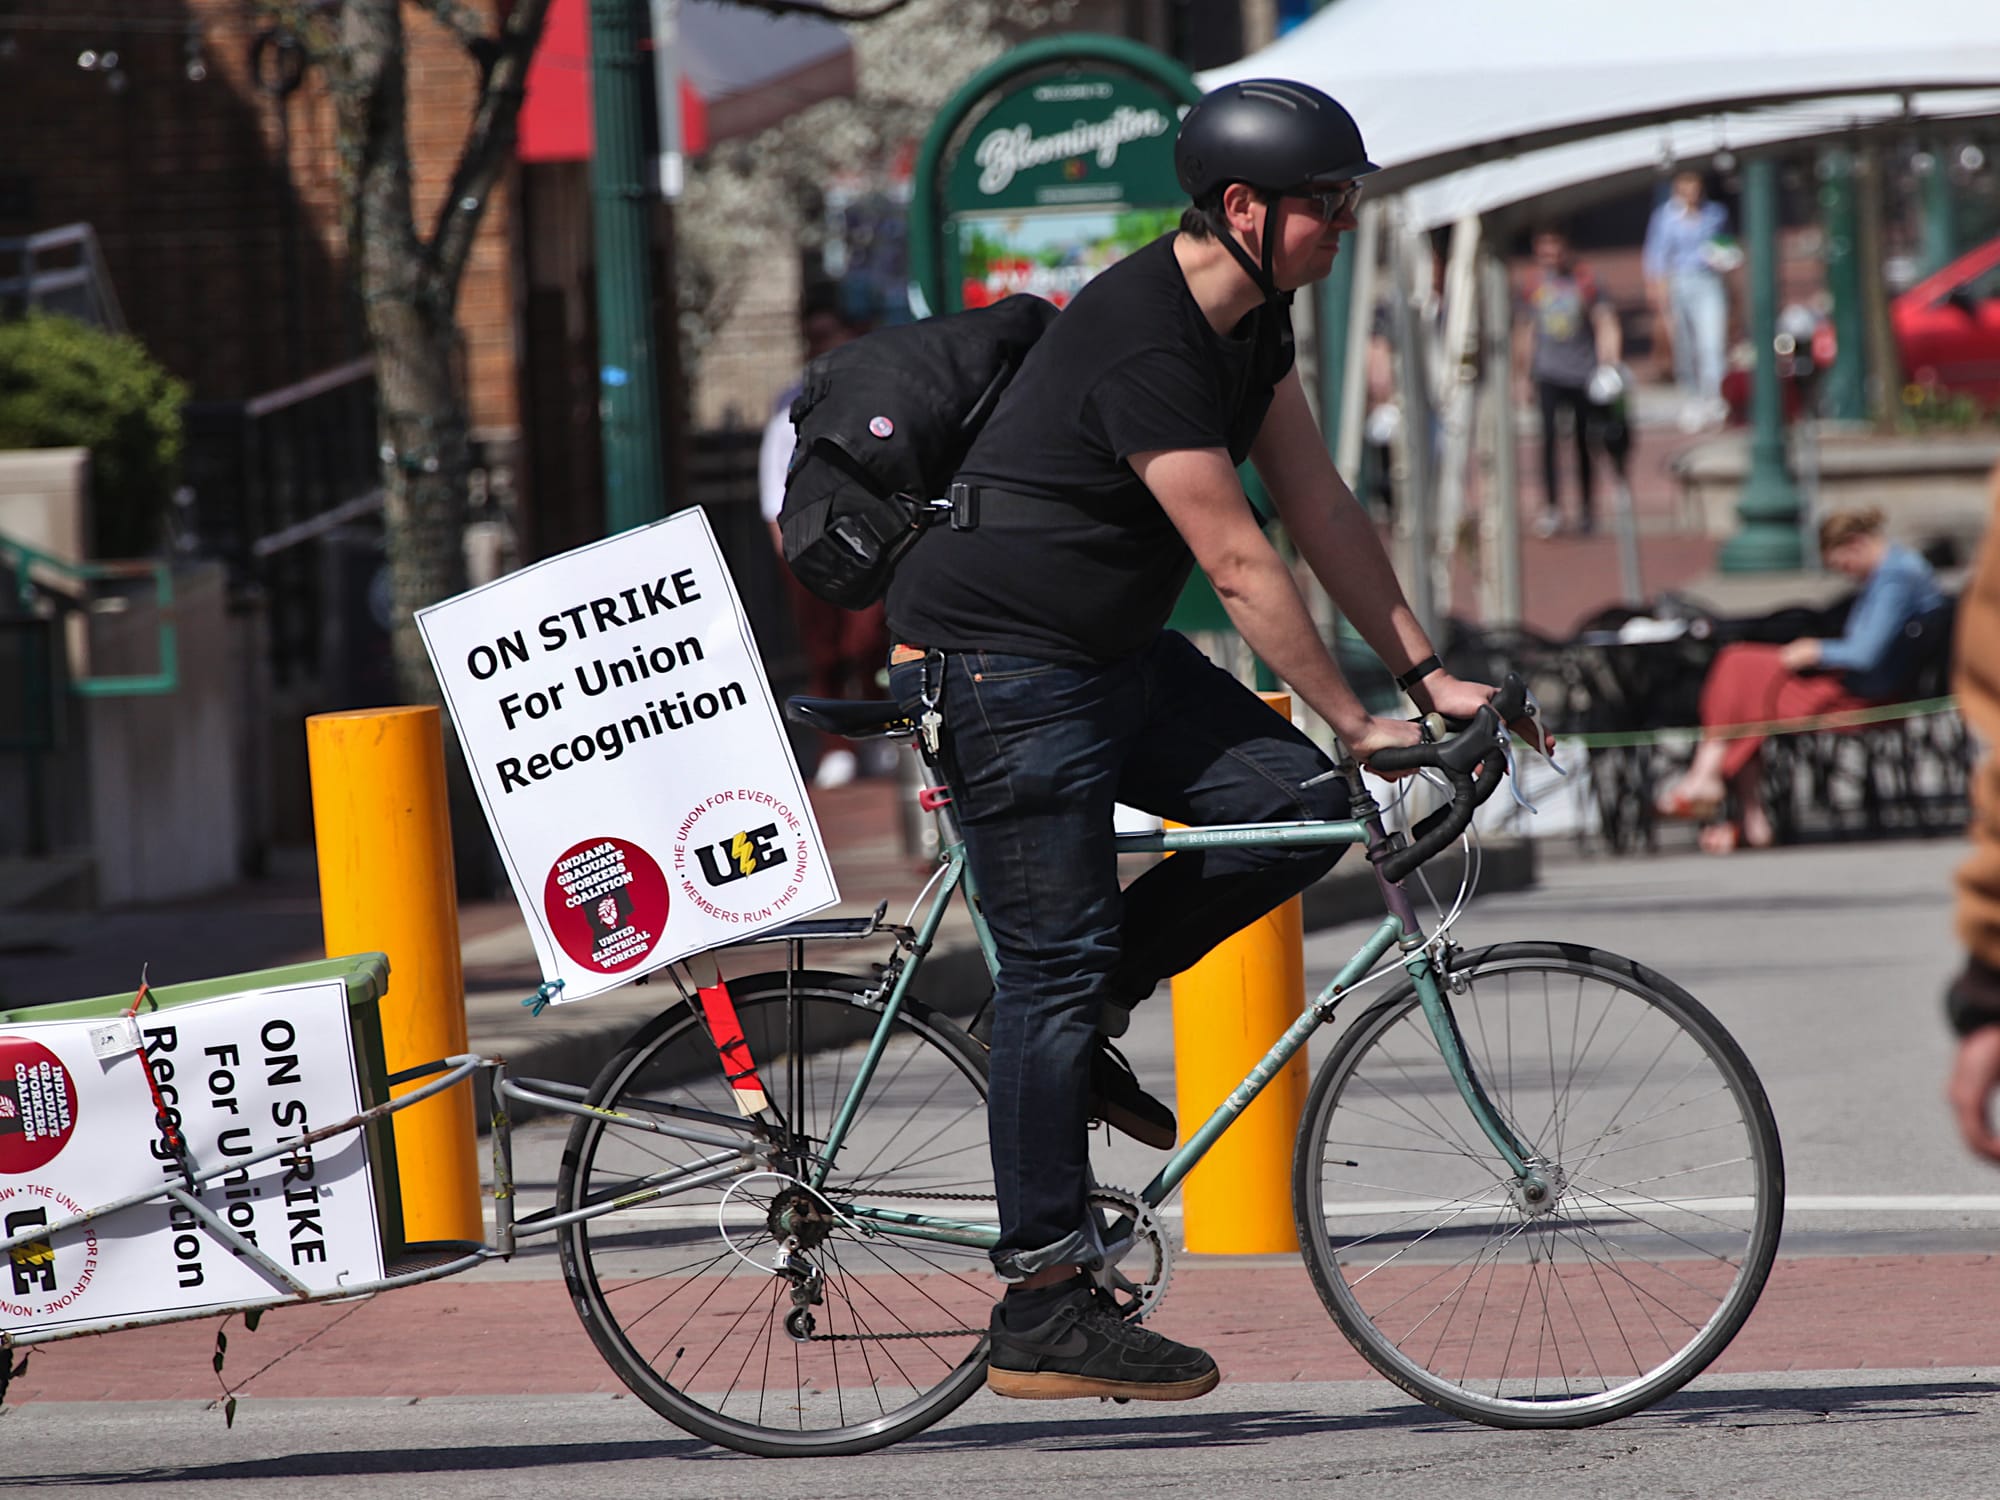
{"x":1570,"y":331}
{"x":1973,"y":1000}
{"x":1751,"y":683}
{"x":1383,"y":421}
{"x":1687,"y":254}
{"x":843,"y":648}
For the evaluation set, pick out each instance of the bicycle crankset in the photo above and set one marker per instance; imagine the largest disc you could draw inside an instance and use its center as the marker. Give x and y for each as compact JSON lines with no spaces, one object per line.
{"x":1139,"y":1256}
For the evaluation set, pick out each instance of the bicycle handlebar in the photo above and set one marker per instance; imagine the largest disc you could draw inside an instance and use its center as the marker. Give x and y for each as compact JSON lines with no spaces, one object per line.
{"x":1474,"y":763}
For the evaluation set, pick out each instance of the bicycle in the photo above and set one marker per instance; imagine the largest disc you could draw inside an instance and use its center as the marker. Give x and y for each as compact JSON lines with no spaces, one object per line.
{"x":1582,"y":1239}
{"x":788,"y":1281}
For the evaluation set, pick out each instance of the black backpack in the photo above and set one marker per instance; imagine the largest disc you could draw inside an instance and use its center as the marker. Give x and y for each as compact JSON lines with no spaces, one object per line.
{"x":883,"y":423}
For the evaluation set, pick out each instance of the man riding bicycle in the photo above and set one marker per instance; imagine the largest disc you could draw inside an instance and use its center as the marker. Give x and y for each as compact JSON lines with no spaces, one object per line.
{"x":1106,"y":472}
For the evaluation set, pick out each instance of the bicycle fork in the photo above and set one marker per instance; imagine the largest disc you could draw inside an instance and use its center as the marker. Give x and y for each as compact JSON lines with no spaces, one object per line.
{"x":1535,"y":1190}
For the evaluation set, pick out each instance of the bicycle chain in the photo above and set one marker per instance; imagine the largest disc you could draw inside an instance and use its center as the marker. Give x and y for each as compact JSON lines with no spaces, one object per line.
{"x":942,"y":1333}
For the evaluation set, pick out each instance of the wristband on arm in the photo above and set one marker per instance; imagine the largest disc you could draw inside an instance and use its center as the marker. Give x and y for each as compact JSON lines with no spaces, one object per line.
{"x":1417,"y":673}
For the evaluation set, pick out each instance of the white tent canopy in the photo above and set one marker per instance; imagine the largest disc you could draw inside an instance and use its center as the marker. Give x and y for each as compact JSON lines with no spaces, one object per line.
{"x":1446,"y":84}
{"x":1606,"y":159}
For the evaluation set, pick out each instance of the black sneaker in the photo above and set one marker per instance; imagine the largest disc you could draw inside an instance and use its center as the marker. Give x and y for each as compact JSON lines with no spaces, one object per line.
{"x":1085,"y":1349}
{"x":1117,"y":1099}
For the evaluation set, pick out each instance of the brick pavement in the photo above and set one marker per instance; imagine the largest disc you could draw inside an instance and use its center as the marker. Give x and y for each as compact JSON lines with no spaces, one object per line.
{"x":1567,"y":578}
{"x":1261,"y":1320}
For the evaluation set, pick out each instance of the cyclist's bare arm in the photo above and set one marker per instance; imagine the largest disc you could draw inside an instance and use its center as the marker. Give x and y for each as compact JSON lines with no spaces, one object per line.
{"x":1332,"y":532}
{"x":1198,"y":489}
{"x":1339,"y":543}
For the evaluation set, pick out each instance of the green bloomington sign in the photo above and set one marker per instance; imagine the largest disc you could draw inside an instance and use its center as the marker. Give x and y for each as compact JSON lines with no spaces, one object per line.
{"x":1083,"y":138}
{"x":1049,"y":165}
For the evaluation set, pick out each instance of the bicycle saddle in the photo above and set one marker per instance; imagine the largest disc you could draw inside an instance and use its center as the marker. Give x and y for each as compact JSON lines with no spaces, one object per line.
{"x":872,"y":718}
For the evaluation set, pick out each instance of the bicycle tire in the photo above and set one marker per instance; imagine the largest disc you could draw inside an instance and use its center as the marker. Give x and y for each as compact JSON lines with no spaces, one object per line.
{"x":673,"y":1331}
{"x":1631,"y":1293}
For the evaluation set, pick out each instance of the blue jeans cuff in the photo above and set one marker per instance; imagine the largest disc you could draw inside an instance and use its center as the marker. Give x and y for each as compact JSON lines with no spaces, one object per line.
{"x":1082,"y":1248}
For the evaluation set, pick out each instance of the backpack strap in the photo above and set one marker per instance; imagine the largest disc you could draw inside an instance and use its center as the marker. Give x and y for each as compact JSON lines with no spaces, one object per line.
{"x":974,"y":504}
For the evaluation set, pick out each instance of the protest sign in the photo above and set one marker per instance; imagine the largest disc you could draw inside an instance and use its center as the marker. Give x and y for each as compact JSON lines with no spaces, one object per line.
{"x":627,"y":751}
{"x":240,"y":1075}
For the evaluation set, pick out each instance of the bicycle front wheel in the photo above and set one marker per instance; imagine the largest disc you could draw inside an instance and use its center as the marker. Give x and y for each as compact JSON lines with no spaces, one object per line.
{"x":751,"y":1308}
{"x":1595,"y":1301}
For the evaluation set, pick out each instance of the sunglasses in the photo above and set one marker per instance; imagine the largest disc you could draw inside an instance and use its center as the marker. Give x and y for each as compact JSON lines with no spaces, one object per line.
{"x":1331,"y":203}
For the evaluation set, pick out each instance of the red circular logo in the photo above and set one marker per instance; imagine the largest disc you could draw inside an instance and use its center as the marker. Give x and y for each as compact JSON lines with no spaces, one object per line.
{"x":37,"y":1105}
{"x":606,"y":901}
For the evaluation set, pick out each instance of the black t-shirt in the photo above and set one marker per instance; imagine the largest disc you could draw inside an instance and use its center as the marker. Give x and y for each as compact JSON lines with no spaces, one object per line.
{"x":1131,"y":366}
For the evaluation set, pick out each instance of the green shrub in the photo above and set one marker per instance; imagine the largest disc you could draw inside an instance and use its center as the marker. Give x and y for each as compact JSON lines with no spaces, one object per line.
{"x":66,"y":384}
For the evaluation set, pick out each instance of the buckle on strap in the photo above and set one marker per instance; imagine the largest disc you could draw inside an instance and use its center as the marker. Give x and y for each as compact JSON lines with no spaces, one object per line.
{"x":964,"y":505}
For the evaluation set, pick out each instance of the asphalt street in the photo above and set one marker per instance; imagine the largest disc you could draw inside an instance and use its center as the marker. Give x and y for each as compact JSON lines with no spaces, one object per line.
{"x":1826,"y":1436}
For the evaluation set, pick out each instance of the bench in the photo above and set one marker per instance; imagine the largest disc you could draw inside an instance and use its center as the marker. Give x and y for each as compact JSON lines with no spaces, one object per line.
{"x":1899,"y":777}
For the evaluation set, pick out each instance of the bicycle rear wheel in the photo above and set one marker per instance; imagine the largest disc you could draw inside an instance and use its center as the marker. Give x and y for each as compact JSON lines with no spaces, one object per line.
{"x":683,"y":1295}
{"x":1645,"y":1116}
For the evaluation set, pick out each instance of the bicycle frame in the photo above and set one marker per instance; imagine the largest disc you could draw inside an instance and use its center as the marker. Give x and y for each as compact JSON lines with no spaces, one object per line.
{"x":1399,"y":929}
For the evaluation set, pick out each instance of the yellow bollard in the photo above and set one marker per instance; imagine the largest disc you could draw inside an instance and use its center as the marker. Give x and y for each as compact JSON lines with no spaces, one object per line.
{"x":386,"y":884}
{"x":1228,"y":1009}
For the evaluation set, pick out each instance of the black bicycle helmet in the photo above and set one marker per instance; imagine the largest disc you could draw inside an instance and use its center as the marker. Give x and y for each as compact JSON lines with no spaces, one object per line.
{"x":1275,"y":135}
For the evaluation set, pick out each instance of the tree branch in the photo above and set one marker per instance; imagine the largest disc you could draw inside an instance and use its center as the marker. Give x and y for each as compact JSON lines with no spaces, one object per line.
{"x":310,"y":24}
{"x":460,"y":20}
{"x":488,"y":143}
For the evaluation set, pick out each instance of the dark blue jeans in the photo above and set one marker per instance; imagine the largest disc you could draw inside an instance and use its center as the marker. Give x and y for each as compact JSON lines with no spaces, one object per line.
{"x":1037,"y":753}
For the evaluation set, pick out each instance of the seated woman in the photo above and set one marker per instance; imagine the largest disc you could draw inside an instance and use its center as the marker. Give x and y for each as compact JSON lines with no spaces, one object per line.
{"x":1754,"y":684}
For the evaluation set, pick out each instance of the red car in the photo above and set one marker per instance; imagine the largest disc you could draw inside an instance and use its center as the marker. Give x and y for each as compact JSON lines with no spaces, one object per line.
{"x":1948,"y":326}
{"x":1947,"y":330}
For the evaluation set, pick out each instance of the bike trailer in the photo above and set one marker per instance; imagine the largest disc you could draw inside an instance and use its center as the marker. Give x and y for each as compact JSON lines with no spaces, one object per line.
{"x":101,"y":1101}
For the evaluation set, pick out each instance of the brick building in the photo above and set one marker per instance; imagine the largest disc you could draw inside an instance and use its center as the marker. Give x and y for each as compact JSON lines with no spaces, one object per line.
{"x":182,"y":131}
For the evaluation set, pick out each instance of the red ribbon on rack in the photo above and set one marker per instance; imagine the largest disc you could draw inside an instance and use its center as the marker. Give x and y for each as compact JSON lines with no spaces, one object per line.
{"x":163,"y":1119}
{"x":726,"y":1031}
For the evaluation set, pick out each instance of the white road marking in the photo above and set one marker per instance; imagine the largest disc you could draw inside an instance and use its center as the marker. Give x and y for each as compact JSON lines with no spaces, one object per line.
{"x":1854,"y":1203}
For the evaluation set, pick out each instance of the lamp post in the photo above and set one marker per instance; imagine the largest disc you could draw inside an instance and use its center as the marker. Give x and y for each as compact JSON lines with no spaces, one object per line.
{"x":1940,"y":236}
{"x":1846,"y":385}
{"x":635,"y":489}
{"x":1767,"y":540}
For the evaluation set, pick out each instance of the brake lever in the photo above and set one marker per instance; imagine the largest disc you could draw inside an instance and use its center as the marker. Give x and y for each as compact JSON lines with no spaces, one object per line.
{"x":1531,"y":709}
{"x":1513,"y":775}
{"x":1534,"y":712}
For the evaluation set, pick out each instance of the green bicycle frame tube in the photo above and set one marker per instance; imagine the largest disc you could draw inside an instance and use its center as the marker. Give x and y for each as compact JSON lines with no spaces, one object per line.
{"x":891,"y":1007}
{"x":1282,"y":1051}
{"x":1243,"y":835}
{"x":1391,"y":933}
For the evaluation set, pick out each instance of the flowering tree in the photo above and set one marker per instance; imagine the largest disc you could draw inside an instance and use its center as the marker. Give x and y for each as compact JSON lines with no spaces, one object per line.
{"x":747,"y":196}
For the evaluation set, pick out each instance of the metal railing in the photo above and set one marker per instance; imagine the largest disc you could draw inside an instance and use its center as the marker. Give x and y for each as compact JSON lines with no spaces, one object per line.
{"x":59,"y":270}
{"x":271,"y":475}
{"x":36,"y":575}
{"x":34,"y":673}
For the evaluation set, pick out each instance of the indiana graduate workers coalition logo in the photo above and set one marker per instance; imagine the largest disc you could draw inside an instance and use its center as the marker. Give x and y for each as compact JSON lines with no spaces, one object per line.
{"x":606,"y":902}
{"x":740,"y":856}
{"x":37,"y":1105}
